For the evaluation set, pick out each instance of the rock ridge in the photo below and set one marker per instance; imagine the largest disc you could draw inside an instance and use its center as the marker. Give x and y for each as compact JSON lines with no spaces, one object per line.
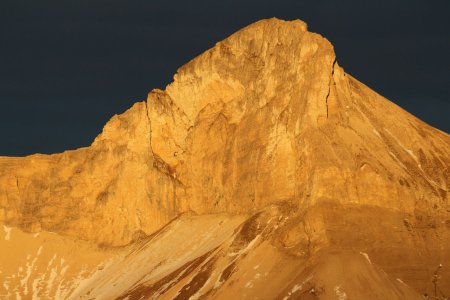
{"x":265,"y":117}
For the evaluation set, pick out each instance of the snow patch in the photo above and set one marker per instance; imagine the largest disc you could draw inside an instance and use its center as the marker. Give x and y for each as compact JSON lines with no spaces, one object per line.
{"x":297,"y":288}
{"x":376,"y":133}
{"x":35,"y":289}
{"x":366,"y":256}
{"x":60,"y":289}
{"x":249,"y":284}
{"x":409,"y":151}
{"x":249,"y":246}
{"x":398,"y":160}
{"x":7,"y":232}
{"x":6,"y":286}
{"x":218,"y":284}
{"x":341,"y":295}
{"x":199,"y":293}
{"x":53,"y":274}
{"x":18,"y":297}
{"x":29,"y":270}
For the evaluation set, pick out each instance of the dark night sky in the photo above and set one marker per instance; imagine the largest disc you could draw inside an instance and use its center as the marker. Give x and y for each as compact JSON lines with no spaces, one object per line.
{"x":67,"y":66}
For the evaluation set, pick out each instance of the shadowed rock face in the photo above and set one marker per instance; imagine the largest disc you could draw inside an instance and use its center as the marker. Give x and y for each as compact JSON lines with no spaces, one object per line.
{"x":265,"y":118}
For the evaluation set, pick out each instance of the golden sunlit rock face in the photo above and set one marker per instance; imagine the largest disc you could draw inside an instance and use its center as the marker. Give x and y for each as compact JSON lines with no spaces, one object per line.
{"x":263,"y":170}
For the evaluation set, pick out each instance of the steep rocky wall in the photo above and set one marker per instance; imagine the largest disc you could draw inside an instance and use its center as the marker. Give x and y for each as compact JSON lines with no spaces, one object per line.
{"x":266,"y":116}
{"x":109,"y":192}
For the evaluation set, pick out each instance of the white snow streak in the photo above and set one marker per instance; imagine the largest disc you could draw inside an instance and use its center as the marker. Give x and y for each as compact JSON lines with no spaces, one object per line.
{"x":341,"y":295}
{"x":366,"y":256}
{"x":7,"y":232}
{"x":376,"y":133}
{"x":409,"y":151}
{"x":297,"y":288}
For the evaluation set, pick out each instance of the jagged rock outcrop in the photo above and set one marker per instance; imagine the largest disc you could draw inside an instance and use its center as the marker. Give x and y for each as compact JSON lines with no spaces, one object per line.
{"x":266,"y":117}
{"x":108,"y":193}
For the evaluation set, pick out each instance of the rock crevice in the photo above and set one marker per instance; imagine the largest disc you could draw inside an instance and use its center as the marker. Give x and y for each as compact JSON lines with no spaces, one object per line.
{"x":264,"y":117}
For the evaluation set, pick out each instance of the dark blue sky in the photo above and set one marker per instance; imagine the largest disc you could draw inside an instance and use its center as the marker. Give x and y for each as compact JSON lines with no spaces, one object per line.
{"x":67,"y":66}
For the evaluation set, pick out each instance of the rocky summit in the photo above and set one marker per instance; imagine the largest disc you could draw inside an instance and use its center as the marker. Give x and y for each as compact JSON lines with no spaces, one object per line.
{"x":263,"y":171}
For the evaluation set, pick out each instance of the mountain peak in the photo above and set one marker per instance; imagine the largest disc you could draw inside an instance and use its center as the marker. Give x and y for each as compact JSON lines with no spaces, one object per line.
{"x":265,"y":126}
{"x":283,"y":26}
{"x":265,"y":116}
{"x":256,"y":56}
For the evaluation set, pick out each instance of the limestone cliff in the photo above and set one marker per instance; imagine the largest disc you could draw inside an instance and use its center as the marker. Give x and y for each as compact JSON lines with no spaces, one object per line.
{"x":265,"y":117}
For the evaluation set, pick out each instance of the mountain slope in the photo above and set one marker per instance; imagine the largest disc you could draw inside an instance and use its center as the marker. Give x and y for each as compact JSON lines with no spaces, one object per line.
{"x":225,"y":257}
{"x":264,"y":118}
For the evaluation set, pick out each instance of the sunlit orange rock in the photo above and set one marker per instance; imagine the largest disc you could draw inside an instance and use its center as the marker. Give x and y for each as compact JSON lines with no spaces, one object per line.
{"x":307,"y":170}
